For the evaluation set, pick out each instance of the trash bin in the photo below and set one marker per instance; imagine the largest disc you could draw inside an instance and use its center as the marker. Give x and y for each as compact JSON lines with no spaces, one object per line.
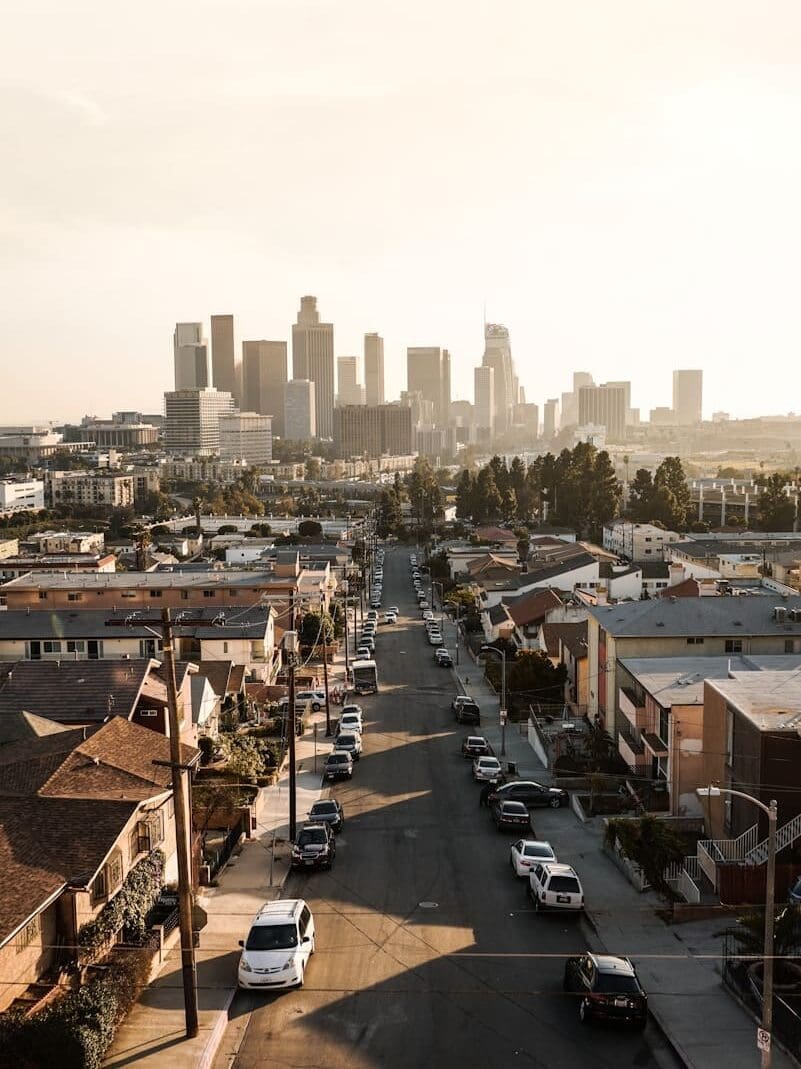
{"x":511,"y":768}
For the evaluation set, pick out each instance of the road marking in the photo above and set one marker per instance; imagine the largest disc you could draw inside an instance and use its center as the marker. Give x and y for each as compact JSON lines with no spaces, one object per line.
{"x":428,"y":905}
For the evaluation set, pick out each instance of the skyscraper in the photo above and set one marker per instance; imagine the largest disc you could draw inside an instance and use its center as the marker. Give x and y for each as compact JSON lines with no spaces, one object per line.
{"x":246,"y":437}
{"x":349,"y":391}
{"x":223,"y":363}
{"x":426,"y":373}
{"x":688,"y":389}
{"x":550,"y":418}
{"x":484,"y":397}
{"x":374,"y":369}
{"x":300,"y":424}
{"x":373,"y":430}
{"x":445,"y":384}
{"x":313,"y":359}
{"x":264,"y":375}
{"x":190,"y":357}
{"x":498,"y":356}
{"x":604,"y":405}
{"x":192,"y":420}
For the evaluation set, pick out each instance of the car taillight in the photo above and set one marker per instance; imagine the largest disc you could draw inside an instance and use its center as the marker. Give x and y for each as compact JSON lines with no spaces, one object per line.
{"x":595,"y":997}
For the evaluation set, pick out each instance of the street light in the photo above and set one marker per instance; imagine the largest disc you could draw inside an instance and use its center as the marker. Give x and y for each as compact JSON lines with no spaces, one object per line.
{"x":502,"y":711}
{"x":770,"y":895}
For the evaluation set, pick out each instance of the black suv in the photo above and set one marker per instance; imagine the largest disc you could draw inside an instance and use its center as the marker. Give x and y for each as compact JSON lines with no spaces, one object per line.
{"x":608,"y":989}
{"x":314,"y":848}
{"x":468,"y":713}
{"x":530,"y":793}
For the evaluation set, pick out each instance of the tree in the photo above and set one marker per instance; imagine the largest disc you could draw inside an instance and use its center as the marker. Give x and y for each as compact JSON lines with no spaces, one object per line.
{"x":650,"y":843}
{"x":605,"y":493}
{"x":389,"y":518}
{"x":465,"y":495}
{"x":776,"y":510}
{"x":488,"y":503}
{"x":672,"y":494}
{"x":641,"y":493}
{"x":313,"y":468}
{"x":310,"y":529}
{"x":316,"y":630}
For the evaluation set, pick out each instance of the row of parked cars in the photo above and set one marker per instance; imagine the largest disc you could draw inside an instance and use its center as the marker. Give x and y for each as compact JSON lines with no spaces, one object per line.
{"x":606,"y":985}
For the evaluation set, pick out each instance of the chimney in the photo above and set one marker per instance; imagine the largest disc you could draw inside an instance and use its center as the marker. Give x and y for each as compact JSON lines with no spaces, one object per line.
{"x":676,"y":573}
{"x":601,"y":596}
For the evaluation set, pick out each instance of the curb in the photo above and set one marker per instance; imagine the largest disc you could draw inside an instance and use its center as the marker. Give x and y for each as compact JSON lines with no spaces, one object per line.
{"x":209,"y":1052}
{"x":676,"y":1047}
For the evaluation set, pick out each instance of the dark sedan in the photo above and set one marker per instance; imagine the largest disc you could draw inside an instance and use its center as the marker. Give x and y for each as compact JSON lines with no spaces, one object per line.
{"x":475,"y":746}
{"x":468,"y":713}
{"x":328,"y":811}
{"x":608,"y":989}
{"x":510,"y":816}
{"x":531,"y":794}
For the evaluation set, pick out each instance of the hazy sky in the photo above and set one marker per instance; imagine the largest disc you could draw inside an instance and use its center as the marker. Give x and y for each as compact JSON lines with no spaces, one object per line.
{"x":619,"y":181}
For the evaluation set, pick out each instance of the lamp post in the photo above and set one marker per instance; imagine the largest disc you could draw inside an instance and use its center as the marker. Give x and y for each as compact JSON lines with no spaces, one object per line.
{"x":502,"y":654}
{"x":770,"y":895}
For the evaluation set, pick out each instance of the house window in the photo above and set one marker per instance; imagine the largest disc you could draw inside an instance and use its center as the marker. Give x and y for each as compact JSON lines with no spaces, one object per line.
{"x":225,"y":647}
{"x":695,"y":641}
{"x":35,"y":651}
{"x":114,"y":871}
{"x":50,"y":646}
{"x":155,"y":593}
{"x":209,"y":593}
{"x":184,"y":595}
{"x":42,"y":595}
{"x":74,"y":595}
{"x":99,"y":886}
{"x":76,"y":645}
{"x":232,"y":593}
{"x":147,"y":647}
{"x":789,"y":645}
{"x":664,"y":726}
{"x":29,"y":933}
{"x":148,"y":712}
{"x":734,"y":645}
{"x":128,"y":594}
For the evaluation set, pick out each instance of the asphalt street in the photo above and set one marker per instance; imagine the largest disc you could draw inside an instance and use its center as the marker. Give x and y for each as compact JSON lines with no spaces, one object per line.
{"x":428,"y":952}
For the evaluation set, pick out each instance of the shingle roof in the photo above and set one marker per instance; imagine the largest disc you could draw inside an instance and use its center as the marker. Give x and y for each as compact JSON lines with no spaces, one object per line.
{"x":95,"y":623}
{"x":48,"y":843}
{"x":687,"y":588}
{"x":655,"y":569}
{"x":495,"y":534}
{"x":529,"y":608}
{"x":218,"y":673}
{"x":498,"y":614}
{"x":17,"y":727}
{"x":571,"y":635}
{"x":540,"y":573}
{"x":73,"y":691}
{"x":723,"y":616}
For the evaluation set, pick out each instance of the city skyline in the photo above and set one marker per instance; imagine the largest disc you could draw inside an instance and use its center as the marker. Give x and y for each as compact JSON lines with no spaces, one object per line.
{"x":645,"y":215}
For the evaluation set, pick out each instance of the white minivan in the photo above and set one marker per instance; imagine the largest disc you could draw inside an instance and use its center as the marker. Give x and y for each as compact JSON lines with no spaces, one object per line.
{"x":278,"y":947}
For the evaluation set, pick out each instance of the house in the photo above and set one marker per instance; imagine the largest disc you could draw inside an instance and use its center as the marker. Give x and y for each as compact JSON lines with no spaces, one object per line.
{"x":655,"y":577}
{"x":529,"y":612}
{"x":671,"y":627}
{"x":79,"y":808}
{"x":637,"y":541}
{"x":566,"y":643}
{"x":12,"y":567}
{"x":89,"y":692}
{"x":227,"y":682}
{"x":461,"y":555}
{"x":745,"y":556}
{"x":247,"y":638}
{"x":752,"y":743}
{"x":564,"y":569}
{"x":501,"y":536}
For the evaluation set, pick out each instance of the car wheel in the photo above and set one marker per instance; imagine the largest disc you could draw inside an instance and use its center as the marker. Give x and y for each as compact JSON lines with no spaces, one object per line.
{"x":316,"y":707}
{"x":555,"y":803}
{"x":584,"y":1012}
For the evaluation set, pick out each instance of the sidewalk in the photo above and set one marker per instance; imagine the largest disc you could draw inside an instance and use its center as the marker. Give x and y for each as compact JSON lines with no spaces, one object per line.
{"x":153,"y":1033}
{"x":678,"y":964}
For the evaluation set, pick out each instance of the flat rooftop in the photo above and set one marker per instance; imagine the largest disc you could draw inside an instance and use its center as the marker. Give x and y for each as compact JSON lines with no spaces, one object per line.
{"x":680,"y":680}
{"x":161,"y":580}
{"x":770,"y":700}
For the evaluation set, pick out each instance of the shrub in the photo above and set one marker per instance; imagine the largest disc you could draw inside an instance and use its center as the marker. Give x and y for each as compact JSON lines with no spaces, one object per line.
{"x":206,"y":746}
{"x":130,"y":905}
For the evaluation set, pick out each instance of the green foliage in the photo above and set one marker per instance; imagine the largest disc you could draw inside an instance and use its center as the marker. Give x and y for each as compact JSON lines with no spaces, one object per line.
{"x":130,"y":905}
{"x":389,"y":519}
{"x":663,"y":499}
{"x":776,"y":510}
{"x":316,"y":630}
{"x":650,"y":843}
{"x":750,"y":931}
{"x":245,"y":758}
{"x":206,"y":746}
{"x":310,"y":529}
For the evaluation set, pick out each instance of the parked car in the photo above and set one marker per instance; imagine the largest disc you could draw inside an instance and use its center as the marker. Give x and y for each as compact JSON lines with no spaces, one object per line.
{"x":278,"y":945}
{"x":459,"y":699}
{"x":363,"y":653}
{"x":328,"y":811}
{"x":555,"y":886}
{"x":314,"y":847}
{"x":390,"y":618}
{"x":350,"y":722}
{"x":533,"y":794}
{"x":352,"y":707}
{"x":468,"y":713}
{"x":395,"y":609}
{"x":434,"y":638}
{"x":525,"y":853}
{"x":487,"y":770}
{"x":350,"y":742}
{"x":428,"y":614}
{"x":423,"y":603}
{"x":510,"y":816}
{"x":316,"y":698}
{"x":372,"y":614}
{"x":474,"y":746}
{"x":608,"y":989}
{"x":369,"y":642}
{"x":338,"y":765}
{"x":375,"y":602}
{"x":444,"y":660}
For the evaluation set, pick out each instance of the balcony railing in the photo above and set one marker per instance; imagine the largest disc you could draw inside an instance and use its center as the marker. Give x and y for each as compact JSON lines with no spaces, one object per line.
{"x":631,"y":749}
{"x":629,"y":707}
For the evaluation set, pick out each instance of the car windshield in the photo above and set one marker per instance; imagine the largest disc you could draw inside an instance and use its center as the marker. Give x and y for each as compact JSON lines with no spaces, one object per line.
{"x":346,"y":740}
{"x":564,"y":884}
{"x":537,"y":851}
{"x":321,"y":809}
{"x":272,"y":937}
{"x":614,"y":983}
{"x":337,"y":759}
{"x":311,"y":837}
{"x":475,"y":741}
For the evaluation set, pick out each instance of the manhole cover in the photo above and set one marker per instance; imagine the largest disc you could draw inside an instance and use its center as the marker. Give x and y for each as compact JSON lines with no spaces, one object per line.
{"x":428,"y":905}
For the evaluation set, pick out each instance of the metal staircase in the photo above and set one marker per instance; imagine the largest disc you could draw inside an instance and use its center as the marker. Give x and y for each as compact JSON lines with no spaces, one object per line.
{"x":786,"y":835}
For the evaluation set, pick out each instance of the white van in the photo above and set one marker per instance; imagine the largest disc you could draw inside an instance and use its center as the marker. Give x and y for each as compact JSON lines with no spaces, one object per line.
{"x":555,"y":886}
{"x":278,"y":947}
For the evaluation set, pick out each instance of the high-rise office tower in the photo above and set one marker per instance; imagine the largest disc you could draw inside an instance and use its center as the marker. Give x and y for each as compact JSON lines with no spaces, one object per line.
{"x":373,"y":430}
{"x":688,"y":390}
{"x":428,"y":372}
{"x":190,"y":357}
{"x":313,"y":360}
{"x":550,"y":418}
{"x":300,"y":423}
{"x":626,"y":385}
{"x":192,"y":420}
{"x":264,"y":376}
{"x":422,"y":408}
{"x":484,"y":399}
{"x":498,"y":356}
{"x":349,"y":390}
{"x":374,"y":369}
{"x":604,"y":405}
{"x":223,"y":363}
{"x":246,"y":438}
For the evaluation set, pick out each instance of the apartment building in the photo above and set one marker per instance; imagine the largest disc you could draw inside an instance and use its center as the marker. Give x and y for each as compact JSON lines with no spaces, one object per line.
{"x":89,"y":488}
{"x":638,"y":541}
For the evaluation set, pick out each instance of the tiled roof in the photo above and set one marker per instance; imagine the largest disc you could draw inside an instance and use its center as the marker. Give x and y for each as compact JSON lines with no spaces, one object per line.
{"x":495,"y":534}
{"x":532,"y":607}
{"x":72,"y":691}
{"x":688,"y":588}
{"x":237,"y":679}
{"x":47,"y":843}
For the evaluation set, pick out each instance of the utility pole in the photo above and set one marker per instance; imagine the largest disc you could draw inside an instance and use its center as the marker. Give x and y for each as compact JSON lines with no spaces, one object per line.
{"x":325,"y":678}
{"x":188,"y":969}
{"x":290,"y":648}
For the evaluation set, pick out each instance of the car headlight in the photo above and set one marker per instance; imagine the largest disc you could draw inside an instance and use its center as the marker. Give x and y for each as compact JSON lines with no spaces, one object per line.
{"x":244,"y":965}
{"x":289,"y":964}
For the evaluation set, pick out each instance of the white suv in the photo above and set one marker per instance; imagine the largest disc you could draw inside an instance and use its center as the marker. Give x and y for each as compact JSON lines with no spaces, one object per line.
{"x":278,"y":947}
{"x":555,"y":886}
{"x":315,"y":697}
